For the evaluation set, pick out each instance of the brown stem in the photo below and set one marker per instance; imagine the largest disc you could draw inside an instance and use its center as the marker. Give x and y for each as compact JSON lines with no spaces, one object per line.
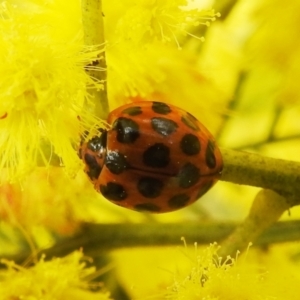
{"x":260,"y":171}
{"x":97,"y":239}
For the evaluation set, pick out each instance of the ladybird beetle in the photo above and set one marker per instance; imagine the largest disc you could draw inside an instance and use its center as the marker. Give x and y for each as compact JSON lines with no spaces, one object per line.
{"x":155,"y":158}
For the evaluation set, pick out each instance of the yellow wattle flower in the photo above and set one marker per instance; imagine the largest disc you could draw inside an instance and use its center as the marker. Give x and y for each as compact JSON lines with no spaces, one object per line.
{"x":43,"y":85}
{"x":253,"y":278}
{"x":59,"y":279}
{"x":143,"y":50}
{"x":141,"y":23}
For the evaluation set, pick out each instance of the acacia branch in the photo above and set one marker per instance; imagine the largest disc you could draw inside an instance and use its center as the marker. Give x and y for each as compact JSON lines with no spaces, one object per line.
{"x":97,"y":239}
{"x":256,"y":170}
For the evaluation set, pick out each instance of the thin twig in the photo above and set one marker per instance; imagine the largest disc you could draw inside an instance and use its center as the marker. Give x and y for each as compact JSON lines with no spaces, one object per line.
{"x":93,"y":27}
{"x":266,"y":209}
{"x":97,"y":239}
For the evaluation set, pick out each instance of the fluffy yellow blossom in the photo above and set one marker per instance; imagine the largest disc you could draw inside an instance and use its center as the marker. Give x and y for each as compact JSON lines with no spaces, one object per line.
{"x":58,"y":279}
{"x":212,"y":278}
{"x":43,"y":84}
{"x":141,"y":23}
{"x":143,"y":37}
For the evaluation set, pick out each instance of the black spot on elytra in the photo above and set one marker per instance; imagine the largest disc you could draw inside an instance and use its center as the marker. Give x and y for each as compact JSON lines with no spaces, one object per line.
{"x":157,"y":156}
{"x":204,"y":188}
{"x":190,"y":144}
{"x":161,"y":108}
{"x":178,"y":201}
{"x":132,"y":111}
{"x":113,"y":191}
{"x":94,"y":167}
{"x":188,"y":175}
{"x":116,"y":162}
{"x":210,"y":158}
{"x":150,"y":187}
{"x":127,"y":130}
{"x":164,"y":126}
{"x":97,"y":142}
{"x":190,"y":121}
{"x":147,"y":207}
